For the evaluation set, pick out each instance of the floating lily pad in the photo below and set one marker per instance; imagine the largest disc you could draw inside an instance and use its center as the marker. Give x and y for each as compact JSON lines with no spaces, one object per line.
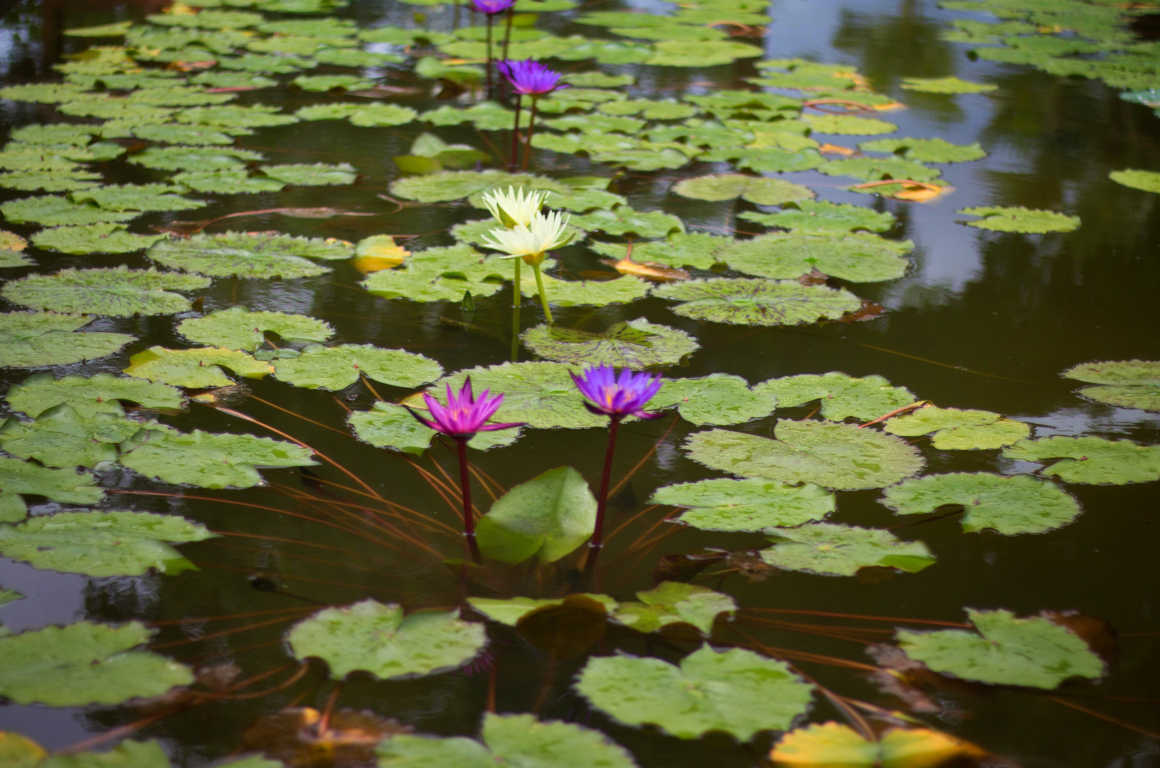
{"x":926,"y":150}
{"x":1008,"y":505}
{"x":547,"y":517}
{"x":829,"y":745}
{"x":510,"y":740}
{"x":1034,"y":652}
{"x":716,"y":399}
{"x":317,"y":174}
{"x":119,"y":292}
{"x":539,"y":394}
{"x":848,"y":125}
{"x":1126,"y":383}
{"x":635,"y":344}
{"x":700,"y":53}
{"x":944,"y":85}
{"x":1148,"y":181}
{"x":21,"y":478}
{"x":879,"y":168}
{"x":331,"y":82}
{"x":857,"y":257}
{"x":231,"y":118}
{"x":680,"y":249}
{"x":194,"y":158}
{"x":956,"y":429}
{"x":84,"y":663}
{"x":842,"y":396}
{"x":238,"y":328}
{"x":725,"y":504}
{"x":389,"y":426}
{"x":56,"y":210}
{"x":839,"y":456}
{"x":92,"y":238}
{"x":818,"y":217}
{"x":1091,"y":460}
{"x":755,"y":189}
{"x":12,"y":246}
{"x":757,"y":302}
{"x":1016,"y":219}
{"x":512,"y":610}
{"x":456,"y":185}
{"x":623,"y":220}
{"x":233,"y":181}
{"x":67,"y":437}
{"x":200,"y":368}
{"x":174,"y":133}
{"x":101,"y":392}
{"x":430,"y":154}
{"x":39,"y":339}
{"x":735,"y":691}
{"x":440,"y":274}
{"x":112,"y":543}
{"x":7,"y":596}
{"x":209,"y":460}
{"x":338,"y":367}
{"x":674,"y":602}
{"x":371,"y":637}
{"x":570,"y":293}
{"x":256,"y":256}
{"x":49,"y":181}
{"x":842,"y":550}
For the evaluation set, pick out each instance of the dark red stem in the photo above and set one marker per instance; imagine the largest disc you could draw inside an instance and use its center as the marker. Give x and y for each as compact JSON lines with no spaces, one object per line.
{"x":507,"y":35}
{"x":490,"y":93}
{"x":515,"y":137}
{"x":597,"y":540}
{"x":468,"y":514}
{"x":531,"y":130}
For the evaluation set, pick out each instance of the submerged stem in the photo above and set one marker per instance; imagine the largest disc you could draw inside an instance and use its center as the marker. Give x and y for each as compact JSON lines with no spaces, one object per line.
{"x":543,"y":294}
{"x":531,"y":131}
{"x":490,"y":90}
{"x":516,"y":297}
{"x":468,"y":514}
{"x":515,"y":157}
{"x":507,"y":35}
{"x":597,"y":540}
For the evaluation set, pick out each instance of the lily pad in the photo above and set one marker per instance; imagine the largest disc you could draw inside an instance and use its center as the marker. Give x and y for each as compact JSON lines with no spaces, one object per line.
{"x":84,"y":663}
{"x":440,"y":274}
{"x":635,"y":344}
{"x":838,"y":456}
{"x":716,"y":399}
{"x":56,"y":210}
{"x":819,"y":217}
{"x":510,"y":740}
{"x":539,"y":394}
{"x":194,"y":158}
{"x":740,"y":301}
{"x":842,"y":550}
{"x":857,"y":257}
{"x":92,"y":238}
{"x":1007,"y":505}
{"x":878,"y":168}
{"x":848,"y":125}
{"x":926,"y":150}
{"x":316,"y":174}
{"x":231,"y":118}
{"x":456,"y":185}
{"x":119,"y":292}
{"x":511,"y":610}
{"x":547,"y":517}
{"x":680,"y":249}
{"x":40,"y":339}
{"x":1034,"y":652}
{"x":735,"y":691}
{"x":238,"y":328}
{"x":67,"y":437}
{"x":1091,"y":460}
{"x":200,"y":367}
{"x":956,"y":429}
{"x":101,"y":392}
{"x":136,"y":197}
{"x":842,"y":396}
{"x":944,"y":85}
{"x":112,"y":543}
{"x":231,"y":181}
{"x":725,"y":504}
{"x":1017,"y":219}
{"x":249,"y":255}
{"x":623,"y":220}
{"x":338,"y":367}
{"x":375,"y":638}
{"x":1126,"y":383}
{"x":571,"y":293}
{"x":674,"y":602}
{"x":1148,"y":181}
{"x":176,"y":133}
{"x":755,"y":189}
{"x":21,"y":478}
{"x":209,"y":460}
{"x":389,"y":426}
{"x":829,"y":745}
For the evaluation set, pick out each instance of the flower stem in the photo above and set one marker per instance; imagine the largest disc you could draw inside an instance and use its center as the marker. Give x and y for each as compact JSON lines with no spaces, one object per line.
{"x":490,"y":92}
{"x":515,"y":158}
{"x":468,"y":515}
{"x":531,"y":130}
{"x":516,"y":298}
{"x":597,"y":540}
{"x":507,"y":35}
{"x":543,"y":295}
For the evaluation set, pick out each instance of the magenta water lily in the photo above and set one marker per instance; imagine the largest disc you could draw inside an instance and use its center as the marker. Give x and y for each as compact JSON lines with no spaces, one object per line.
{"x":531,"y":78}
{"x":616,"y":396}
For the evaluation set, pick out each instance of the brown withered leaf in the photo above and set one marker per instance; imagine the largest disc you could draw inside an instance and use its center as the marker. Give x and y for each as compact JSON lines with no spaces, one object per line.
{"x":649,"y":270}
{"x":813,"y":277}
{"x":1098,"y":633}
{"x":298,"y":738}
{"x":869,"y":310}
{"x":567,"y":630}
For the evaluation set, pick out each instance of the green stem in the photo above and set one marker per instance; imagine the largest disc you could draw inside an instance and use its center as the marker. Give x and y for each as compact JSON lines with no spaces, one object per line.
{"x":543,"y":295}
{"x":507,"y":35}
{"x":516,"y":298}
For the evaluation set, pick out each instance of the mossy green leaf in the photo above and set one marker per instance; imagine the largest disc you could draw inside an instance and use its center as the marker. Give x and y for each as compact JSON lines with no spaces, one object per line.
{"x":1148,"y":181}
{"x":842,"y":396}
{"x":200,"y":367}
{"x":838,"y":456}
{"x":57,"y":211}
{"x":539,"y":394}
{"x":842,"y":550}
{"x":231,"y":181}
{"x":209,"y":460}
{"x":375,"y":638}
{"x":674,"y":602}
{"x":547,"y":517}
{"x":819,"y":217}
{"x":1092,"y":460}
{"x":92,"y":238}
{"x":755,"y":189}
{"x":49,"y":181}
{"x":1018,"y":219}
{"x":238,"y":328}
{"x":68,"y":437}
{"x":926,"y":150}
{"x":22,"y":478}
{"x":331,"y":82}
{"x":440,"y":274}
{"x":849,"y":125}
{"x":136,"y":197}
{"x":338,"y":367}
{"x":101,"y":392}
{"x":944,"y":84}
{"x":1126,"y":383}
{"x":715,"y":399}
{"x":1007,"y":505}
{"x":635,"y":344}
{"x":39,"y":339}
{"x":740,"y":301}
{"x":571,"y":293}
{"x":194,"y":158}
{"x":725,"y":504}
{"x":230,"y":117}
{"x":700,"y":53}
{"x":311,"y":174}
{"x":878,"y":168}
{"x":955,"y":429}
{"x":258,"y":256}
{"x":856,"y":257}
{"x":175,"y":133}
{"x":456,"y":185}
{"x":680,"y":249}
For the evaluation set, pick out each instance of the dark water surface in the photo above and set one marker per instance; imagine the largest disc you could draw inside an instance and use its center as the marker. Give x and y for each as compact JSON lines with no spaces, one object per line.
{"x":982,"y":320}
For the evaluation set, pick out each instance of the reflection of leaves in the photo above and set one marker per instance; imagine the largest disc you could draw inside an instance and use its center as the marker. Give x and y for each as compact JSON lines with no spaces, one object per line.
{"x":548,"y":516}
{"x":725,"y":504}
{"x":841,"y":550}
{"x":635,"y":344}
{"x":1092,"y":459}
{"x":1008,"y":505}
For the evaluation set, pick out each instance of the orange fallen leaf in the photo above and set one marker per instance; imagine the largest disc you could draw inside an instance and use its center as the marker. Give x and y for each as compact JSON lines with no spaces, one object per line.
{"x":834,"y":149}
{"x":377,"y":253}
{"x":649,"y":270}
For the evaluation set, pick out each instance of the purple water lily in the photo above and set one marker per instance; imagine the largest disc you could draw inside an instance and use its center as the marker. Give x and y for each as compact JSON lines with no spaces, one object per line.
{"x":492,"y":7}
{"x":530,"y":78}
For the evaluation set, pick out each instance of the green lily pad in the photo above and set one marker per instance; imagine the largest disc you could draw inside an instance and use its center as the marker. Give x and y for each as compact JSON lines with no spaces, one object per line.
{"x":571,"y":293}
{"x":39,"y":339}
{"x":635,"y":344}
{"x":174,"y":133}
{"x":389,"y":426}
{"x":819,"y":217}
{"x":1091,"y":460}
{"x":84,"y":663}
{"x":680,"y":249}
{"x":725,"y":504}
{"x":56,"y":211}
{"x":440,"y":274}
{"x":330,"y":82}
{"x":1148,"y":181}
{"x":511,"y":610}
{"x":127,"y":754}
{"x":623,"y":220}
{"x":716,"y":399}
{"x":194,"y":158}
{"x":238,"y":328}
{"x":944,"y":85}
{"x":539,"y":394}
{"x":848,"y":125}
{"x":209,"y":460}
{"x":1034,"y":652}
{"x":1017,"y":219}
{"x":510,"y":740}
{"x":1126,"y":383}
{"x":838,"y":456}
{"x":857,"y":257}
{"x":757,"y":302}
{"x":232,"y":117}
{"x":255,"y":256}
{"x":101,"y":392}
{"x":316,"y":174}
{"x":199,"y":368}
{"x":926,"y":150}
{"x":7,"y":596}
{"x":21,"y":478}
{"x":67,"y":437}
{"x":430,"y":154}
{"x":547,"y":517}
{"x":119,"y":292}
{"x":735,"y":691}
{"x":842,"y":396}
{"x":700,"y":53}
{"x":231,"y":181}
{"x":112,"y":543}
{"x":755,"y":189}
{"x":375,"y":638}
{"x":842,"y":550}
{"x":456,"y":185}
{"x":955,"y":429}
{"x":674,"y":602}
{"x":338,"y":367}
{"x":49,"y":181}
{"x":92,"y":238}
{"x":879,"y":168}
{"x":12,"y":246}
{"x":1007,"y":505}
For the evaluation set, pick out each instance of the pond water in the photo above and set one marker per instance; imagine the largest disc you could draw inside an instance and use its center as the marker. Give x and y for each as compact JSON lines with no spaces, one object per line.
{"x":980,"y":319}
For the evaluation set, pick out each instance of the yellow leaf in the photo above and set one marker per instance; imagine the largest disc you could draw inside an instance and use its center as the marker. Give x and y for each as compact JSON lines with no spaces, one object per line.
{"x":889,"y":106}
{"x":835,"y":149}
{"x":650,"y":271}
{"x":10,"y":241}
{"x":833,"y":745}
{"x":181,"y":9}
{"x":377,"y":253}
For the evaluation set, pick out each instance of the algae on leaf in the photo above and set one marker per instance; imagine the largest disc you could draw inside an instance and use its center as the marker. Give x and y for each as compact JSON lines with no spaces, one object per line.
{"x":1007,"y":505}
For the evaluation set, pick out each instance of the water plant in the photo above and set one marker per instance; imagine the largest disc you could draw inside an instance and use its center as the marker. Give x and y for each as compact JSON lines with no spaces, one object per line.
{"x":515,"y":208}
{"x":531,"y":243}
{"x":490,"y":9}
{"x":528,"y":78}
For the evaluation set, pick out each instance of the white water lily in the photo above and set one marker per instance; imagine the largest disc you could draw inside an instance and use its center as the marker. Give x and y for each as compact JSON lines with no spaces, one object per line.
{"x":545,"y":232}
{"x":516,"y":207}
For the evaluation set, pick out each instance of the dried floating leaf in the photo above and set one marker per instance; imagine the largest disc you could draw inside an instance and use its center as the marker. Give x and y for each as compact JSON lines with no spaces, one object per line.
{"x":649,"y":270}
{"x":302,"y":738}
